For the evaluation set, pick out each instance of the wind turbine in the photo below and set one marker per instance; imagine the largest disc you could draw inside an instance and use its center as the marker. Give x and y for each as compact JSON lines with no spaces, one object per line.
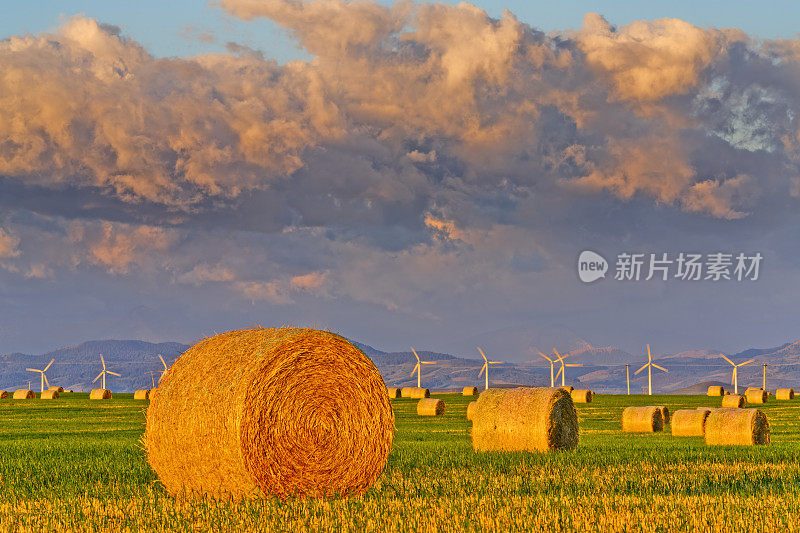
{"x":485,"y":366}
{"x":552,"y":378}
{"x":153,"y":379}
{"x":417,"y":367}
{"x":44,"y":378}
{"x":765,"y":376}
{"x":628,"y":377}
{"x":649,"y":366}
{"x":104,"y":372}
{"x":562,"y":370}
{"x":165,"y":368}
{"x":735,"y":377}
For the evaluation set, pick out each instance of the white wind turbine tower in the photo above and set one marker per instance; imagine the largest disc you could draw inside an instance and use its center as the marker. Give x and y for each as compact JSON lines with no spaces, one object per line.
{"x":104,"y":372}
{"x":417,"y":367}
{"x":649,"y":368}
{"x":735,"y":377}
{"x":485,"y":366}
{"x":563,"y":370}
{"x":44,"y":378}
{"x":552,"y":377}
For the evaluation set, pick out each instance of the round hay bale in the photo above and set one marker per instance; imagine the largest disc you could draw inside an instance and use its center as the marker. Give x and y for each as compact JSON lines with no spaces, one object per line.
{"x":470,"y":391}
{"x":715,"y":390}
{"x":24,"y":394}
{"x":471,"y":410}
{"x":430,"y":407}
{"x":646,"y":419}
{"x":784,"y":394}
{"x":581,"y":396}
{"x":689,"y":422}
{"x":49,"y":394}
{"x":392,"y":392}
{"x":737,"y":426}
{"x":284,"y":411}
{"x":4,"y":395}
{"x":142,"y":394}
{"x":415,"y":392}
{"x":56,"y":388}
{"x":100,"y":394}
{"x":664,"y":414}
{"x":568,"y":388}
{"x":524,"y":419}
{"x":733,"y":400}
{"x":756,"y":396}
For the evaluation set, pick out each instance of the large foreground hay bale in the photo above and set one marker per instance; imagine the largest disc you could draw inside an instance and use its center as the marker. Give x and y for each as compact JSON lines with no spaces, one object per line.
{"x":430,"y":407}
{"x":4,"y":395}
{"x":142,"y":394}
{"x":581,"y":396}
{"x":415,"y":392}
{"x":56,"y":388}
{"x":645,"y":419}
{"x":100,"y":394}
{"x":733,"y":400}
{"x":715,"y":390}
{"x":392,"y":392}
{"x":285,"y":411}
{"x":471,"y":410}
{"x":24,"y":394}
{"x":49,"y":394}
{"x":784,"y":394}
{"x":524,"y":419}
{"x":469,"y":391}
{"x":689,"y":422}
{"x":756,"y":396}
{"x":737,"y":426}
{"x":664,"y":414}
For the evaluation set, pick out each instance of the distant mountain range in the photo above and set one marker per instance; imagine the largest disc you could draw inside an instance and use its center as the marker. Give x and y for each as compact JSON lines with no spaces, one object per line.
{"x":603,"y":369}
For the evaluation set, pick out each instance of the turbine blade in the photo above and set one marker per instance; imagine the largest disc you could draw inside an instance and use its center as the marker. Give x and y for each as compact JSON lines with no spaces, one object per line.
{"x":746,"y":362}
{"x":45,"y":379}
{"x":574,"y":364}
{"x":660,"y":367}
{"x":483,"y":354}
{"x":48,"y":365}
{"x":559,"y":372}
{"x":558,"y":355}
{"x":98,"y":377}
{"x":543,"y":355}
{"x":645,"y":366}
{"x":112,"y":373}
{"x":103,"y":361}
{"x":415,"y":353}
{"x":162,"y":361}
{"x":32,"y":370}
{"x":495,"y":362}
{"x":482,"y":369}
{"x":728,"y":360}
{"x":415,"y":369}
{"x":428,"y":362}
{"x":649,"y":357}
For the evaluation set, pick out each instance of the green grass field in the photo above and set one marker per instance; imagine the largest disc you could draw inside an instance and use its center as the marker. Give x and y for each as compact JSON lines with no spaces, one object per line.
{"x":75,"y":464}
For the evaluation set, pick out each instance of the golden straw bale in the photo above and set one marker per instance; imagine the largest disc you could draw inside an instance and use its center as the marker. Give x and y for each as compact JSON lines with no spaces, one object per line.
{"x":689,"y":422}
{"x":430,"y":407}
{"x":470,"y":391}
{"x":568,"y":388}
{"x":646,"y":419}
{"x":49,"y":394}
{"x":737,"y":426}
{"x":24,"y":394}
{"x":142,"y":394}
{"x":392,"y":392}
{"x":524,"y":419}
{"x":4,"y":395}
{"x":471,"y":410}
{"x":56,"y":388}
{"x":415,"y":392}
{"x":100,"y":394}
{"x":285,"y":411}
{"x":756,"y":396}
{"x":715,"y":390}
{"x":581,"y":396}
{"x":733,"y":400}
{"x":784,"y":394}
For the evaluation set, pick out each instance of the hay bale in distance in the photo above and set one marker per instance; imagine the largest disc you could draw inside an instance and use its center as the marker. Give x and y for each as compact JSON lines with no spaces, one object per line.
{"x":49,"y":394}
{"x":471,"y":410}
{"x":415,"y":392}
{"x":56,"y":388}
{"x":392,"y":392}
{"x":756,"y":396}
{"x":733,"y":400}
{"x":4,"y":395}
{"x":715,"y":390}
{"x":142,"y":394}
{"x":733,"y":426}
{"x":470,"y":391}
{"x":646,"y":419}
{"x":285,"y":411}
{"x":430,"y":407}
{"x":524,"y":419}
{"x":581,"y":396}
{"x":100,"y":394}
{"x":689,"y":422}
{"x":784,"y":394}
{"x":24,"y":394}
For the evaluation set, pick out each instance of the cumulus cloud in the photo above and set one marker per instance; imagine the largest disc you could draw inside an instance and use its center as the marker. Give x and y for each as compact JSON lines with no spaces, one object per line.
{"x":8,"y":244}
